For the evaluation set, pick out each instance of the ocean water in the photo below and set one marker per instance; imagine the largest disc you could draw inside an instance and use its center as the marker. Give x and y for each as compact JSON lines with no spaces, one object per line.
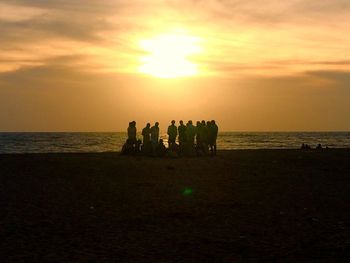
{"x":113,"y":141}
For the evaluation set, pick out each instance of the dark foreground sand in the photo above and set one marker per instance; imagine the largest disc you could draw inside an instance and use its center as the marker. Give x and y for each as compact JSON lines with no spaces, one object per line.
{"x":242,"y":206}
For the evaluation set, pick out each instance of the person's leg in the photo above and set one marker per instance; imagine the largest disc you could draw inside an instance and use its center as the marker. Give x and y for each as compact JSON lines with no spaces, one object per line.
{"x":205,"y":148}
{"x":171,"y":141}
{"x":154,"y":148}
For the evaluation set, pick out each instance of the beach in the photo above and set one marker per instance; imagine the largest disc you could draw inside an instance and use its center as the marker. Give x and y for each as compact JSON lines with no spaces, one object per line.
{"x":240,"y":206}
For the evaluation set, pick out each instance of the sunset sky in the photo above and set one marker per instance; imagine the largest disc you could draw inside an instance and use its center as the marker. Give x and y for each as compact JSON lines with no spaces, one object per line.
{"x":88,"y":65}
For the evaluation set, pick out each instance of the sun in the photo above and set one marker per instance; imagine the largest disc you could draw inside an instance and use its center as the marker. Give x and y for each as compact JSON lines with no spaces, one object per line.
{"x":168,"y":55}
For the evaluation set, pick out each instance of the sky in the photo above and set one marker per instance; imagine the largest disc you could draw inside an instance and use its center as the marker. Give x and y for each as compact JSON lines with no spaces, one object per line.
{"x":88,"y":65}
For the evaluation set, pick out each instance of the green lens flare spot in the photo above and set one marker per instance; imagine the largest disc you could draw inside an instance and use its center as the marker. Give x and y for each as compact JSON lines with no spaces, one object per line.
{"x":187,"y":191}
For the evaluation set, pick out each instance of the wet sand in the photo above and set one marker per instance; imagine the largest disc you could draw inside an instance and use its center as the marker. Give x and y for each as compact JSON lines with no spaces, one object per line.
{"x":241,"y":206}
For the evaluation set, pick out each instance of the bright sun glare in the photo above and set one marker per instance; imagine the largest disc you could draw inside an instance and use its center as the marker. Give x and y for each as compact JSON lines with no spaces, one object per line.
{"x":168,"y":56}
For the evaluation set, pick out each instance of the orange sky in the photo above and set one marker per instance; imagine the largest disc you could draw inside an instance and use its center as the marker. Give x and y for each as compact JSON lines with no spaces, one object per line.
{"x":89,"y":65}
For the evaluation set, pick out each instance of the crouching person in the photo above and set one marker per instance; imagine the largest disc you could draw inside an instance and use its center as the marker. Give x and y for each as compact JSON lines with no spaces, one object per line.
{"x":128,"y":147}
{"x":161,"y":149}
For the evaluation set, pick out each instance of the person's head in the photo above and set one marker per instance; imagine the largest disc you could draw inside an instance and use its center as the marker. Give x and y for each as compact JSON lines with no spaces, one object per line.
{"x":198,"y":123}
{"x":157,"y":124}
{"x":212,"y":122}
{"x":208,"y":123}
{"x":160,"y":141}
{"x":148,"y":125}
{"x":130,"y":124}
{"x":181,"y":122}
{"x":190,"y":122}
{"x":173,"y":122}
{"x":203,"y":122}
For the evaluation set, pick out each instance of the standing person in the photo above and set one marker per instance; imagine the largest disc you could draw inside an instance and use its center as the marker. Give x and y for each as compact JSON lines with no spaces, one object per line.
{"x":204,"y":137}
{"x":198,"y":145}
{"x":132,"y":132}
{"x":198,"y":134}
{"x":172,"y":132}
{"x":155,"y":137}
{"x":182,"y":133}
{"x":146,"y":145}
{"x":146,"y":133}
{"x":182,"y":137}
{"x":190,"y":134}
{"x":212,"y":136}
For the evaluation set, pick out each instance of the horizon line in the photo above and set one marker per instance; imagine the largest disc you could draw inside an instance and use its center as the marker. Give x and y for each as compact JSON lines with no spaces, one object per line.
{"x":224,"y":131}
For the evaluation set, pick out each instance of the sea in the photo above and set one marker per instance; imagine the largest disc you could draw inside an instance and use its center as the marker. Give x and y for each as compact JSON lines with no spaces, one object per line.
{"x":54,"y":142}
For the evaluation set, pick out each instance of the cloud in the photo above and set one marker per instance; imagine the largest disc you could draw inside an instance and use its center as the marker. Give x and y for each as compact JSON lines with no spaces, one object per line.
{"x":238,"y":35}
{"x":63,"y":68}
{"x":11,"y":13}
{"x":339,"y":79}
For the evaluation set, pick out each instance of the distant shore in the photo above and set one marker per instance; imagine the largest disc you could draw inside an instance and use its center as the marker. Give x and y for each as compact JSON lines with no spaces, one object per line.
{"x":242,"y":205}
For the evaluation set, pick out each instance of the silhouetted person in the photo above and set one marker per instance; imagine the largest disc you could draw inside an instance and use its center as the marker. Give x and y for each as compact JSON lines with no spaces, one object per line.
{"x":204,"y":137}
{"x":213,"y":130}
{"x":146,"y":134}
{"x":137,"y":149}
{"x":172,"y":132}
{"x":319,"y":147}
{"x":182,"y":136}
{"x":173,"y":150}
{"x":132,"y":132}
{"x":161,"y":149}
{"x":190,"y":134}
{"x":182,"y":133}
{"x":198,"y":133}
{"x":154,"y":137}
{"x":128,"y":148}
{"x":305,"y":146}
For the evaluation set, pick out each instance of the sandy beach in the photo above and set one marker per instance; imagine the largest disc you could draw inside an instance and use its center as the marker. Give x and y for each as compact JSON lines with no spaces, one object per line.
{"x":240,"y":206}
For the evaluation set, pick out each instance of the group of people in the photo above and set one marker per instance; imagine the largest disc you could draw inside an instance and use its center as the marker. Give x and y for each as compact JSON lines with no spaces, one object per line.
{"x":184,"y":140}
{"x":305,"y":146}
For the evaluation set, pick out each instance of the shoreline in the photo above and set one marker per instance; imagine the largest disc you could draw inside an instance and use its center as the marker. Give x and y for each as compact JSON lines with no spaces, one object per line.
{"x":223,"y":151}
